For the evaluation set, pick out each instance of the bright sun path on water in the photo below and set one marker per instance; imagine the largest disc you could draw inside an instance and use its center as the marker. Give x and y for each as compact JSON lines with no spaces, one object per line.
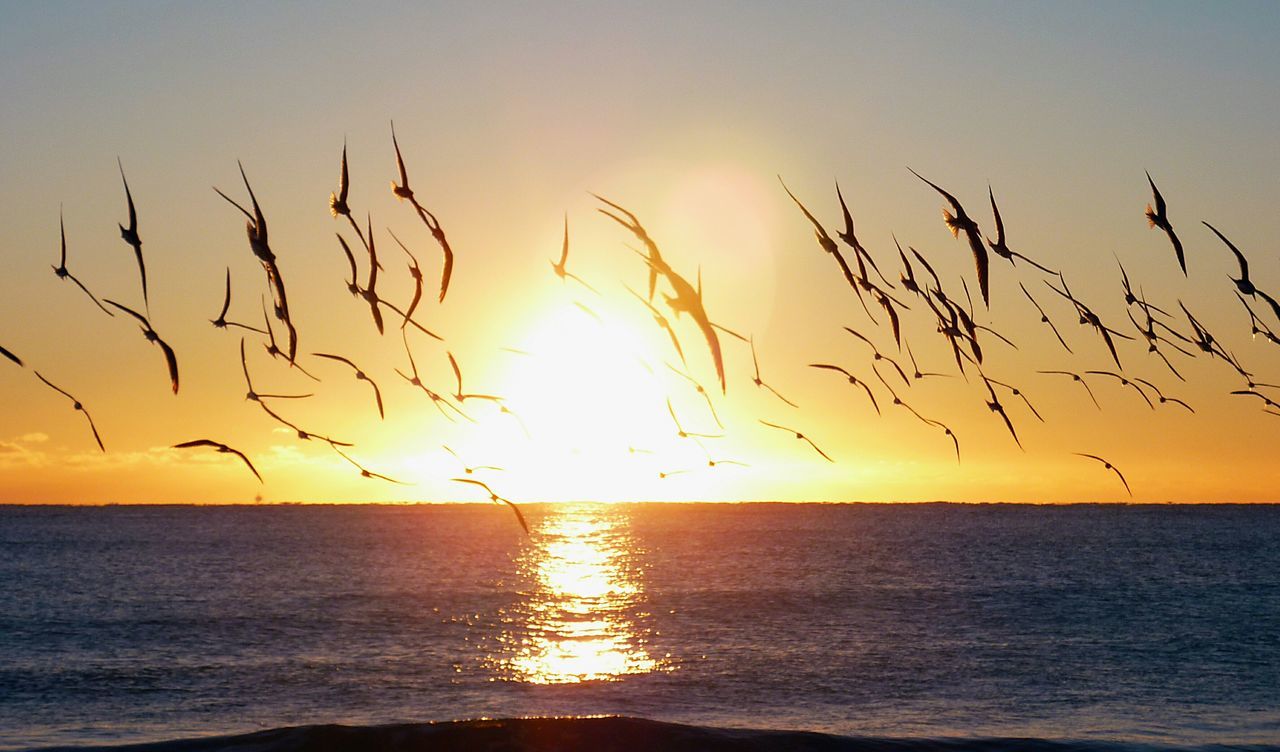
{"x":576,"y":623}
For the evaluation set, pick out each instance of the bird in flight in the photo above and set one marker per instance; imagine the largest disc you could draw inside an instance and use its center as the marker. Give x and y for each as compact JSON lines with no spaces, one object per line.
{"x":999,"y":247}
{"x":852,"y":380}
{"x":365,"y":472}
{"x":960,"y":222}
{"x":61,"y":269}
{"x":1079,"y":380}
{"x":223,"y":449}
{"x":360,"y":376}
{"x":130,"y":235}
{"x":559,"y":266}
{"x":415,"y":272}
{"x":457,"y":376}
{"x":685,"y":434}
{"x":75,"y":403}
{"x":436,"y":399}
{"x":1244,"y":284}
{"x":495,"y":498}
{"x":403,"y":191}
{"x":662,"y":322}
{"x":170,"y":359}
{"x":256,"y":229}
{"x":1108,"y":466}
{"x":687,"y":299}
{"x":253,"y":396}
{"x":469,"y":469}
{"x":801,"y":437}
{"x":338,"y":206}
{"x":221,"y":322}
{"x":1159,"y":217}
{"x":755,"y":362}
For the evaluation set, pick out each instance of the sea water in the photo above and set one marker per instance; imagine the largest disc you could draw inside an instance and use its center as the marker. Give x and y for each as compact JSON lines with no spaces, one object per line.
{"x":1135,"y":624}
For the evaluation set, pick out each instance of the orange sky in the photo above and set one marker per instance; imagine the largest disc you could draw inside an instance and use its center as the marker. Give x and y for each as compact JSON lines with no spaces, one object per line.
{"x":688,"y":125}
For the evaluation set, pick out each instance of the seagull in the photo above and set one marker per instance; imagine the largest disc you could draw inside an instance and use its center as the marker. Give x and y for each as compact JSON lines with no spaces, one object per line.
{"x":1087,"y":316}
{"x":338,"y":206}
{"x":1244,"y":285}
{"x":130,"y":234}
{"x":829,"y":245}
{"x":496,"y":498}
{"x":662,"y":322}
{"x":415,"y":271}
{"x":274,"y":350}
{"x":221,"y":322}
{"x":851,"y":240}
{"x":687,"y":299}
{"x":1079,"y":380}
{"x":223,"y":449}
{"x":1158,"y":217}
{"x":994,"y":405}
{"x":402,"y":191}
{"x":917,"y":373}
{"x":370,"y":293}
{"x":1018,"y":393}
{"x":999,"y":246}
{"x":1108,"y":466}
{"x":685,"y":434}
{"x":878,"y":356}
{"x":961,"y":222}
{"x":460,"y":395}
{"x":61,"y":268}
{"x":632,"y":223}
{"x":907,"y":278}
{"x":304,"y":435}
{"x":852,"y":380}
{"x":559,"y":266}
{"x":1124,"y":382}
{"x":364,"y":472}
{"x":253,"y":396}
{"x":801,"y":437}
{"x":700,"y":390}
{"x":360,"y":376}
{"x":436,"y":399}
{"x":170,"y":359}
{"x":756,"y":379}
{"x":256,"y":229}
{"x":75,"y":403}
{"x":1163,"y":399}
{"x":353,"y":286}
{"x":467,"y":468}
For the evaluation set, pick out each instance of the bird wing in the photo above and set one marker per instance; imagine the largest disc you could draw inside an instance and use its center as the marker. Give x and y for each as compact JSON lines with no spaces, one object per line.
{"x":93,"y":428}
{"x":171,"y":360}
{"x":1244,"y":265}
{"x":226,"y":300}
{"x":11,"y":356}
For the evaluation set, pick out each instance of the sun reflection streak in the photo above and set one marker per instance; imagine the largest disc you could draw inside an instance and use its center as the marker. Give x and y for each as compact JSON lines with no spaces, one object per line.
{"x":578,"y":622}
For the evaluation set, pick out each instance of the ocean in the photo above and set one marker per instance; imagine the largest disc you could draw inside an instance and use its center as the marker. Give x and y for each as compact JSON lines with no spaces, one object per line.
{"x":1122,"y":625}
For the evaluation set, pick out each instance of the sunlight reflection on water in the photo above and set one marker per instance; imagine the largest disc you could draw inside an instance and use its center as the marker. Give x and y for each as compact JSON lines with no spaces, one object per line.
{"x":578,"y":620}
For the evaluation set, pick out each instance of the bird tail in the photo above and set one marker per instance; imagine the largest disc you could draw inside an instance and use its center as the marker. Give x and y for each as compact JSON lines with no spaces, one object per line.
{"x":1151,"y":216}
{"x":952,"y":223}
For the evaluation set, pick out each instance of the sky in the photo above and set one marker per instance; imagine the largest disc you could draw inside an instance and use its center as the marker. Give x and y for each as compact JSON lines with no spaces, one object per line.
{"x":510,"y":117}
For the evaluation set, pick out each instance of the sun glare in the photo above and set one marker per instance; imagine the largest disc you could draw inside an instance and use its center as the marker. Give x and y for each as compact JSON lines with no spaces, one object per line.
{"x":591,"y":392}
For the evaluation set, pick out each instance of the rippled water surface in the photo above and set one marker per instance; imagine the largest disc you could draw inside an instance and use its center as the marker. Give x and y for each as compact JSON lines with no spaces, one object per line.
{"x":1147,"y":623}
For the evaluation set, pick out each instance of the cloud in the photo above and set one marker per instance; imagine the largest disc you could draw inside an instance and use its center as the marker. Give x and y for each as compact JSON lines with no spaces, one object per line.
{"x":33,"y":438}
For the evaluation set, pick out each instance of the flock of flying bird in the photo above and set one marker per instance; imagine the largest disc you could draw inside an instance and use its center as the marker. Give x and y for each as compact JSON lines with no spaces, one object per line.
{"x":1164,"y":334}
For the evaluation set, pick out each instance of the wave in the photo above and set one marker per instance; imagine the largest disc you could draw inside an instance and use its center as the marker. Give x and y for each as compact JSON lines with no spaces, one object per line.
{"x":609,"y":734}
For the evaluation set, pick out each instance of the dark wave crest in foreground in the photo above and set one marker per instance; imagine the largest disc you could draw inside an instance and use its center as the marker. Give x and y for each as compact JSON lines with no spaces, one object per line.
{"x":608,"y":734}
